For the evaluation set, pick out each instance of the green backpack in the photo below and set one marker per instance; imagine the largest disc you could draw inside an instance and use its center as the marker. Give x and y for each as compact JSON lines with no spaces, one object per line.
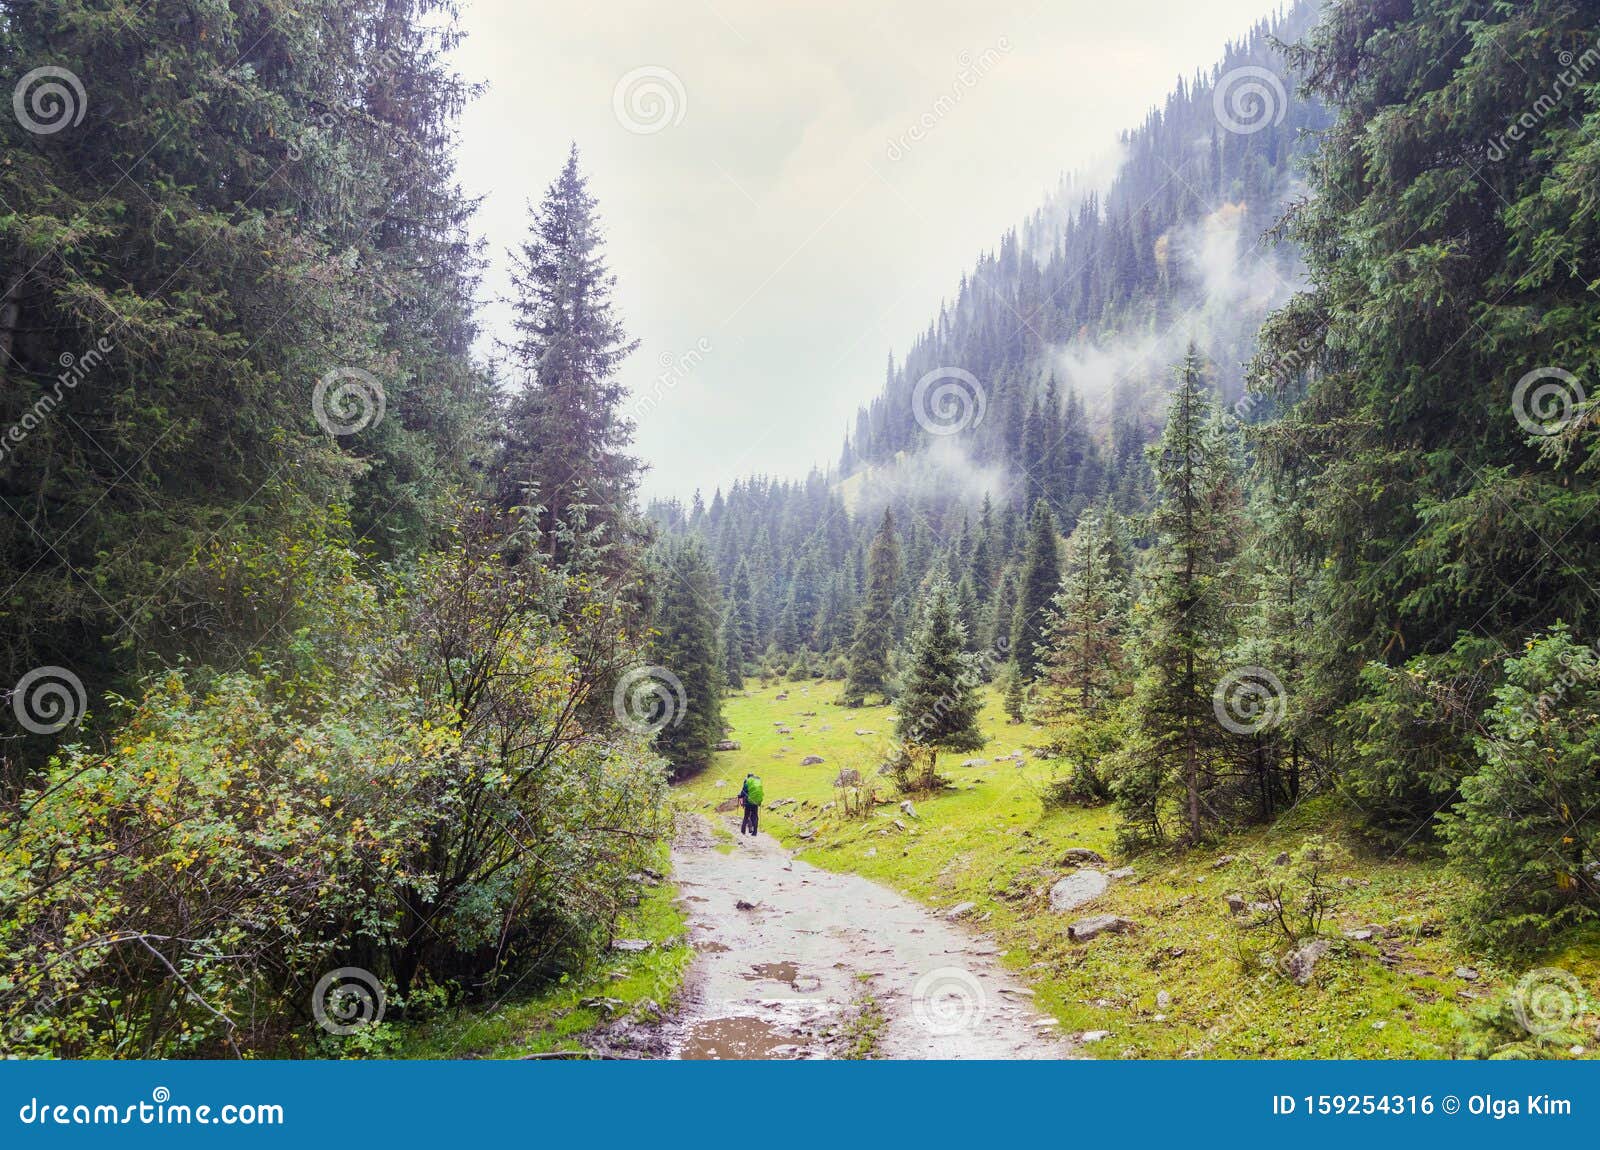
{"x":753,"y":794}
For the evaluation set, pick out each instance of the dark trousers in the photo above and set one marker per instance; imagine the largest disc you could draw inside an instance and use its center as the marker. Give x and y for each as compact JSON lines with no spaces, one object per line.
{"x":752,"y":819}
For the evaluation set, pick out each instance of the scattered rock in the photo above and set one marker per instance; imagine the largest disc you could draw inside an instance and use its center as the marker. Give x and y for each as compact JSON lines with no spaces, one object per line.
{"x":975,"y":762}
{"x":870,"y":853}
{"x":1121,"y":872}
{"x":781,"y":696}
{"x":1362,"y":935}
{"x":1076,"y":889}
{"x":726,"y":745}
{"x":808,"y":834}
{"x":1236,"y":904}
{"x":602,"y":1002}
{"x":859,"y":731}
{"x":811,"y":761}
{"x":911,"y":811}
{"x":1302,"y":962}
{"x":1466,"y":973}
{"x":631,"y":945}
{"x":1282,"y":859}
{"x":1225,"y":860}
{"x":1094,"y":1036}
{"x":1163,"y":1000}
{"x":1081,"y":855}
{"x":898,"y":825}
{"x":960,"y":910}
{"x":741,"y":904}
{"x":1095,"y":925}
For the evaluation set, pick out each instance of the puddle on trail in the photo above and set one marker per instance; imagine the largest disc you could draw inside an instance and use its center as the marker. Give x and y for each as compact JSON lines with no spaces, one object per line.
{"x":784,"y":972}
{"x":746,"y":1038}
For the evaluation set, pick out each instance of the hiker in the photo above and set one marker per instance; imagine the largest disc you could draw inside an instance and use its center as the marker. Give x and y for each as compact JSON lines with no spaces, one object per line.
{"x":751,"y":795}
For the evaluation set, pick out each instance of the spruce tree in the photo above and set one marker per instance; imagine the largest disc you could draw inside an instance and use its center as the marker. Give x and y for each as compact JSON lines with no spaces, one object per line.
{"x":874,"y":637}
{"x":686,"y":648}
{"x":938,"y":709}
{"x":1175,"y":740}
{"x":565,"y":447}
{"x":1041,"y":579}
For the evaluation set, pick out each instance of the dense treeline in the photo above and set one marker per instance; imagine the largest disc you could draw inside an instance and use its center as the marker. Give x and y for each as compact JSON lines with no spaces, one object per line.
{"x":314,"y":632}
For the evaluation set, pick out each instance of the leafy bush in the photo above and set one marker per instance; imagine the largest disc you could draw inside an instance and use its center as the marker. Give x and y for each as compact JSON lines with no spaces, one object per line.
{"x":441,"y":800}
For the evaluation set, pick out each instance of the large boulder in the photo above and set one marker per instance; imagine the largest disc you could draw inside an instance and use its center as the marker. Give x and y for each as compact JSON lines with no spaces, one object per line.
{"x":1095,"y":925}
{"x":1076,"y":889}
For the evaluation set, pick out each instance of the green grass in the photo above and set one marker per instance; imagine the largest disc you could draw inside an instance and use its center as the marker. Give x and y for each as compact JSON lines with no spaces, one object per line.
{"x":989,"y":839}
{"x":555,"y":1019}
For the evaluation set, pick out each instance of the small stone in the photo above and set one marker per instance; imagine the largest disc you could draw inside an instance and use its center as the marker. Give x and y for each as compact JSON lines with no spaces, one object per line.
{"x":910,"y":811}
{"x":726,"y":745}
{"x":1095,"y":925}
{"x":1121,"y":872}
{"x":741,"y":904}
{"x":1282,"y":859}
{"x":1466,"y":973}
{"x":1358,"y":935}
{"x":1236,"y":904}
{"x":1081,"y":855}
{"x":1302,"y":962}
{"x":1163,"y":1000}
{"x":1077,"y":889}
{"x":898,"y":825}
{"x":808,"y":834}
{"x":1225,"y":860}
{"x":811,"y":761}
{"x":630,"y":945}
{"x":859,"y":731}
{"x":871,"y":853}
{"x":960,"y":910}
{"x":1094,"y":1036}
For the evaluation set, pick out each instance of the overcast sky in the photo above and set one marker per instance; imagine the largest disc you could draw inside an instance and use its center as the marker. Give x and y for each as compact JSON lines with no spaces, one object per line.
{"x":789,"y":187}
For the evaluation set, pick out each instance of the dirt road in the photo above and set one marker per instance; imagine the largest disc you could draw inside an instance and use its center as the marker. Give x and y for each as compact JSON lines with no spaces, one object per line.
{"x":816,"y":964}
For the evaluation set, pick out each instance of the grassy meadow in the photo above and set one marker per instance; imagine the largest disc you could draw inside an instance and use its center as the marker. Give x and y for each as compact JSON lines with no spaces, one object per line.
{"x":1186,"y":981}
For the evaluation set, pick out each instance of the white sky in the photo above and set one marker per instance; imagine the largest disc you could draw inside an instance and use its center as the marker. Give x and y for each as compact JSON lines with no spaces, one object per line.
{"x":767,"y":236}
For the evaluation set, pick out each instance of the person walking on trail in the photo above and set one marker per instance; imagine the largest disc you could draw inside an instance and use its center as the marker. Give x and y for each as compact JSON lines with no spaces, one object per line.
{"x":751,"y":795}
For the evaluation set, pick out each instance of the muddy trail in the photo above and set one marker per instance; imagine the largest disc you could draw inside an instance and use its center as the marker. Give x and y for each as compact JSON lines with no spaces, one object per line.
{"x":797,"y":962}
